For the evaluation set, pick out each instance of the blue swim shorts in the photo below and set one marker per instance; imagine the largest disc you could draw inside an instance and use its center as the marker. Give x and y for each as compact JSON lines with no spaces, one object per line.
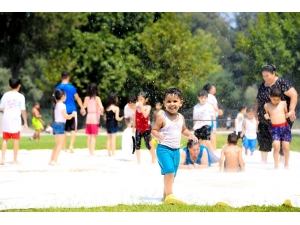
{"x":249,"y":144}
{"x":58,"y":128}
{"x":168,"y":159}
{"x":281,"y":132}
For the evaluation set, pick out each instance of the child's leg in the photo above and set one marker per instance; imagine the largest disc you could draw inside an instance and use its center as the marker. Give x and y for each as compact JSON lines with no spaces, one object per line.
{"x":108,"y":144}
{"x":276,"y":145}
{"x":138,"y":137}
{"x":92,"y":144}
{"x":72,"y":140}
{"x":64,"y":145}
{"x":113,"y":143}
{"x":4,"y":147}
{"x":286,"y":150}
{"x":168,"y":184}
{"x":59,"y":141}
{"x":213,"y":140}
{"x":16,"y":149}
{"x":89,"y":142}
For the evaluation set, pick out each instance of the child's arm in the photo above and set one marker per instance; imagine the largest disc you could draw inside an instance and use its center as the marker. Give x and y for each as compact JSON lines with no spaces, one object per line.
{"x":85,"y":103}
{"x":99,"y":102}
{"x":185,"y":132}
{"x":213,"y":118}
{"x":146,"y":110}
{"x":243,"y":128}
{"x":66,"y":116}
{"x":24,"y":115}
{"x":286,"y":113}
{"x":160,"y":123}
{"x":267,"y":115}
{"x":221,"y":162}
{"x":182,"y":160}
{"x":117,"y":114}
{"x":241,"y":161}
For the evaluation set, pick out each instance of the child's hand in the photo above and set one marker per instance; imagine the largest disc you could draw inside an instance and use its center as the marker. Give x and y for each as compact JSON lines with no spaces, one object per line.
{"x":190,"y":166}
{"x":193,"y":137}
{"x":73,"y":114}
{"x":267,"y":117}
{"x":287,"y":115}
{"x":161,"y":138}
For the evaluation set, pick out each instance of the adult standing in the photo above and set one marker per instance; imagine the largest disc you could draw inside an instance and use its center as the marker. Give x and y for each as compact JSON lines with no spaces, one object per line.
{"x":71,"y":94}
{"x":211,"y":89}
{"x":290,"y":95}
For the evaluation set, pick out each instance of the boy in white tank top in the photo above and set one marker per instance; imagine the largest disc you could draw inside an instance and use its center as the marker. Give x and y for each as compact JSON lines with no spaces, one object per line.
{"x":168,"y":130}
{"x":249,"y":132}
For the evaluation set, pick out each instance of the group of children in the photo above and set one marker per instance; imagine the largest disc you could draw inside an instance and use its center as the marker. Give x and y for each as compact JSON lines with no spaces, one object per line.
{"x":168,"y":127}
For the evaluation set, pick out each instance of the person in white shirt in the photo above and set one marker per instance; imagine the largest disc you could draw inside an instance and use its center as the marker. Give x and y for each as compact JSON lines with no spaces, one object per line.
{"x":203,"y":116}
{"x":13,"y":105}
{"x":60,"y":117}
{"x":211,"y":99}
{"x":129,"y":110}
{"x":238,"y":123}
{"x":249,"y":132}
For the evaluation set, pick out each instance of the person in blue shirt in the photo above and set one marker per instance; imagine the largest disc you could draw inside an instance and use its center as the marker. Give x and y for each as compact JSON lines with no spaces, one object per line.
{"x":194,"y":156}
{"x":71,"y":94}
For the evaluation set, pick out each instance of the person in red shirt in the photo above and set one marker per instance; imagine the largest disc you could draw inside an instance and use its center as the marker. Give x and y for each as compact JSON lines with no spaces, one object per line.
{"x":142,"y":126}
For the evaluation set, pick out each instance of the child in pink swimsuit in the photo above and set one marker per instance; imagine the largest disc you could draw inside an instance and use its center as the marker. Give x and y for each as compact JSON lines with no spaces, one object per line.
{"x":94,"y":108}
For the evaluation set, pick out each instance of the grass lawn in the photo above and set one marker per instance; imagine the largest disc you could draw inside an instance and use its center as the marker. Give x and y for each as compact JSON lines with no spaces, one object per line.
{"x":48,"y":142}
{"x":164,"y":208}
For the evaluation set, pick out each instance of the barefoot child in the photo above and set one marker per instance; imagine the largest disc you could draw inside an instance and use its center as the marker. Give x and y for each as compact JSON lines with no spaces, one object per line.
{"x":60,"y":117}
{"x":142,"y":126}
{"x":37,"y":121}
{"x":249,"y":132}
{"x":168,"y":130}
{"x":239,"y":120}
{"x":157,"y":112}
{"x":112,"y":116}
{"x":277,"y":112}
{"x":13,"y":106}
{"x":94,"y":109}
{"x":233,"y":156}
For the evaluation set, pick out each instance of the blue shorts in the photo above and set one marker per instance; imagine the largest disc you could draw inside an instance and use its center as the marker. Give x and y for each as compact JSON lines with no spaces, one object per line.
{"x":58,"y":128}
{"x":112,"y":130}
{"x":281,"y":132}
{"x":168,"y":159}
{"x":249,"y":144}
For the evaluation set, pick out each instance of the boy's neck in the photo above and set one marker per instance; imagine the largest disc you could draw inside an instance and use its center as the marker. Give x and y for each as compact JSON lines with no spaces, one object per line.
{"x":15,"y":90}
{"x":171,"y":114}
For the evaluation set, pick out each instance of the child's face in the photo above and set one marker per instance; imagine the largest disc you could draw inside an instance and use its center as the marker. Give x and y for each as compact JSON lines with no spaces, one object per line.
{"x":64,"y":97}
{"x":202,"y":99}
{"x":142,"y":100}
{"x":250,"y":115}
{"x":132,"y":105}
{"x":172,"y":103}
{"x":194,"y":150}
{"x":244,"y":111}
{"x":275,"y":100}
{"x":158,"y":106}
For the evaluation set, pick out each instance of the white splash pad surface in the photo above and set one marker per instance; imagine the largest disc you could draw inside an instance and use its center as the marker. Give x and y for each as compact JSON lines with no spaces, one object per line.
{"x":84,"y":181}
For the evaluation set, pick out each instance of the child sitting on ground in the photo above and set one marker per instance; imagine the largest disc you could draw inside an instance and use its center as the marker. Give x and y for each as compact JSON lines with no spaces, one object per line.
{"x":233,"y":156}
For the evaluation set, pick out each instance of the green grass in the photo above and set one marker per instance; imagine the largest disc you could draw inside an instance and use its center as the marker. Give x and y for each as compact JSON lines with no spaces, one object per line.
{"x":164,"y":208}
{"x":48,"y":142}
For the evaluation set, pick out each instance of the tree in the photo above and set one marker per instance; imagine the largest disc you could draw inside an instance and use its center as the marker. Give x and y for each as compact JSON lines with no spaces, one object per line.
{"x":271,"y":40}
{"x":24,"y":34}
{"x":173,"y":57}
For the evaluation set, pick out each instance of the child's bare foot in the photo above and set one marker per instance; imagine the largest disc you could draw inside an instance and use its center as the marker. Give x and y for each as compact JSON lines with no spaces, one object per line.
{"x":246,"y":152}
{"x":251,"y":153}
{"x":53,"y":163}
{"x":71,"y":149}
{"x":286,"y":166}
{"x":263,"y":162}
{"x":2,"y":162}
{"x":16,"y":163}
{"x":276,"y":167}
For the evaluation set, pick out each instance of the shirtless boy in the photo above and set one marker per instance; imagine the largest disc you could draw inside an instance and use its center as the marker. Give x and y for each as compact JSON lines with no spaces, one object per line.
{"x":276,"y":111}
{"x":233,"y":156}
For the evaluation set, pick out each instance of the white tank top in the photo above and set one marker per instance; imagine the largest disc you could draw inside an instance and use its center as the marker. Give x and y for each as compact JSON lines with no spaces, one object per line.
{"x":250,"y":131}
{"x":240,"y":122}
{"x":172,"y":132}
